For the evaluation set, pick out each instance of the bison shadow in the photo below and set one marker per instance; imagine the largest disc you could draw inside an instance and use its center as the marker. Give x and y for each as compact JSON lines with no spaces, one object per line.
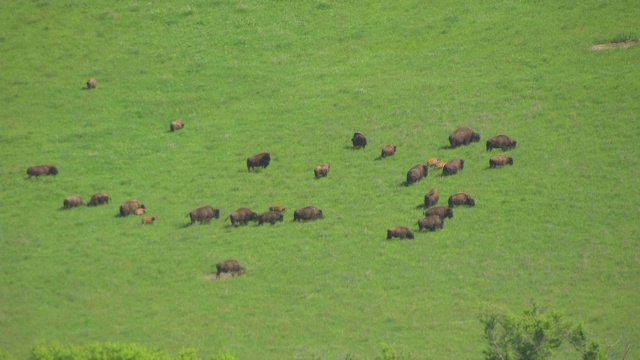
{"x":421,"y":207}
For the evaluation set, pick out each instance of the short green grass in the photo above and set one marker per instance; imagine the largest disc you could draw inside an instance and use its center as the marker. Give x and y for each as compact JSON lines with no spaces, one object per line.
{"x":297,"y":79}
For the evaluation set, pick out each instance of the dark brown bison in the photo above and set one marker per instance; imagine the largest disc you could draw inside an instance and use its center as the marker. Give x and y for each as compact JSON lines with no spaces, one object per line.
{"x":42,"y":170}
{"x":321,"y":170}
{"x":260,"y":160}
{"x":463,"y":136}
{"x":401,"y":232}
{"x":278,"y":208}
{"x":229,"y":266}
{"x":130,"y":207}
{"x":204,"y":214}
{"x":501,"y":141}
{"x":431,"y":223}
{"x":270,"y":217}
{"x":461,"y":199}
{"x":72,"y":201}
{"x":242,"y":216}
{"x":431,"y":198}
{"x":92,"y":83}
{"x":453,"y":166}
{"x":416,"y":173}
{"x":149,"y":220}
{"x":99,"y":199}
{"x":432,"y":162}
{"x":388,"y":150}
{"x":307,"y":213}
{"x":359,"y":140}
{"x":176,"y":125}
{"x":442,"y":211}
{"x":500,"y":160}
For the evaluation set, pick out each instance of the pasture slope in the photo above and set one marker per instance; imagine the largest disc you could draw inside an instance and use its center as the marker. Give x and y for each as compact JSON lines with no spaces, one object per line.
{"x":297,"y":79}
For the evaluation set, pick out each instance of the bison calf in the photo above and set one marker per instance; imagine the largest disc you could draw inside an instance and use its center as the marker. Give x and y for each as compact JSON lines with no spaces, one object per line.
{"x":453,"y":166}
{"x":42,"y":170}
{"x":500,"y":160}
{"x":203,"y":214}
{"x":176,"y":125}
{"x":72,"y":201}
{"x":432,"y":162}
{"x":401,"y":232}
{"x":278,"y":208}
{"x":148,"y":220}
{"x":461,"y":199}
{"x":388,"y":150}
{"x":431,"y":223}
{"x":463,"y":136}
{"x":229,"y":266}
{"x":92,"y":83}
{"x":99,"y":199}
{"x":321,"y":170}
{"x":431,"y":198}
{"x":270,"y":217}
{"x":307,"y":213}
{"x":359,"y":140}
{"x":501,"y":141}
{"x":259,"y":160}
{"x":442,"y":211}
{"x":140,"y":211}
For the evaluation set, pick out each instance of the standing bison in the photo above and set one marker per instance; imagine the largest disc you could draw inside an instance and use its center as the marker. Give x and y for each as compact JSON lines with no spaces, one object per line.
{"x":176,"y":125}
{"x":463,"y":136}
{"x":229,"y":266}
{"x":359,"y":140}
{"x":453,"y":166}
{"x":442,"y":211}
{"x":72,"y":201}
{"x":92,"y":83}
{"x":501,"y":141}
{"x":416,"y":173}
{"x":307,"y":213}
{"x":242,"y":216}
{"x":401,"y":232}
{"x":130,"y":207}
{"x":278,"y":208}
{"x":461,"y":199}
{"x":260,"y":160}
{"x":500,"y":160}
{"x":431,"y":198}
{"x":42,"y":170}
{"x":388,"y":150}
{"x":203,"y":214}
{"x":431,"y":223}
{"x":149,"y":220}
{"x":270,"y":217}
{"x":99,"y":199}
{"x":321,"y":170}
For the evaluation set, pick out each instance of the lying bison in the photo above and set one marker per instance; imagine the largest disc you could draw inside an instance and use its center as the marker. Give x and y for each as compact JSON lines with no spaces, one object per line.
{"x":42,"y":170}
{"x":416,"y":173}
{"x":401,"y":232}
{"x":229,"y":266}
{"x":92,"y":83}
{"x":149,"y":220}
{"x":461,"y":199}
{"x":176,"y":125}
{"x":463,"y":136}
{"x":359,"y":140}
{"x":321,"y":170}
{"x":388,"y":150}
{"x":243,"y":216}
{"x":271,"y":217}
{"x":453,"y":166}
{"x":203,"y":214}
{"x":501,"y":141}
{"x":260,"y":160}
{"x":72,"y":201}
{"x":99,"y":199}
{"x":431,"y":223}
{"x":500,"y":160}
{"x":431,"y":198}
{"x":442,"y":211}
{"x":130,"y":207}
{"x":278,"y":208}
{"x":307,"y":213}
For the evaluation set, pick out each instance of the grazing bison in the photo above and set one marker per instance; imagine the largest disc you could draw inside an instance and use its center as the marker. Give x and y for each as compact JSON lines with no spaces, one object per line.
{"x":501,"y":141}
{"x":431,"y":223}
{"x":321,"y":170}
{"x":278,"y":208}
{"x":42,"y":170}
{"x":388,"y":150}
{"x":307,"y":213}
{"x":453,"y":166}
{"x":431,"y":198}
{"x":176,"y":125}
{"x":242,"y":216}
{"x":442,"y":211}
{"x":432,"y":162}
{"x":140,"y":211}
{"x":416,"y":173}
{"x":500,"y":160}
{"x":401,"y":232}
{"x":461,"y":199}
{"x":270,"y":217}
{"x":149,"y":220}
{"x":99,"y":199}
{"x":463,"y":136}
{"x":203,"y":214}
{"x":359,"y":140}
{"x":229,"y":266}
{"x":260,"y":160}
{"x":130,"y":207}
{"x":72,"y":201}
{"x":92,"y":83}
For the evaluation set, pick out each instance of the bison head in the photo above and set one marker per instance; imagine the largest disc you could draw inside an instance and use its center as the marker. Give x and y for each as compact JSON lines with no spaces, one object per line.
{"x":475,"y":137}
{"x":53,"y":171}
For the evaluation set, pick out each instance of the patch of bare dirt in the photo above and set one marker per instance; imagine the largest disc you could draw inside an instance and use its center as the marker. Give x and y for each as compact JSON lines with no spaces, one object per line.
{"x":617,"y":45}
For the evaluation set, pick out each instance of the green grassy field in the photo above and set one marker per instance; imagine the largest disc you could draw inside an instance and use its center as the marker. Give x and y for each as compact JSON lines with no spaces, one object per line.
{"x":297,"y":79}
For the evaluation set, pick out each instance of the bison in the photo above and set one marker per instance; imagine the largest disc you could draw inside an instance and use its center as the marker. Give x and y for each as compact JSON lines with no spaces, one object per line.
{"x":463,"y":136}
{"x":42,"y":170}
{"x":388,"y":150}
{"x":229,"y":266}
{"x":442,"y":211}
{"x":140,"y":211}
{"x":440,"y":164}
{"x":401,"y":232}
{"x":359,"y":140}
{"x":461,"y":199}
{"x":270,"y":217}
{"x":431,"y":198}
{"x":92,"y":83}
{"x":260,"y":160}
{"x":99,"y":199}
{"x":500,"y":160}
{"x":431,"y":223}
{"x":176,"y":125}
{"x":149,"y":220}
{"x":501,"y":141}
{"x":416,"y":173}
{"x":203,"y":214}
{"x":432,"y":162}
{"x":307,"y":213}
{"x":321,"y":170}
{"x":453,"y":166}
{"x":72,"y":201}
{"x":242,"y":216}
{"x":278,"y":208}
{"x":130,"y":207}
